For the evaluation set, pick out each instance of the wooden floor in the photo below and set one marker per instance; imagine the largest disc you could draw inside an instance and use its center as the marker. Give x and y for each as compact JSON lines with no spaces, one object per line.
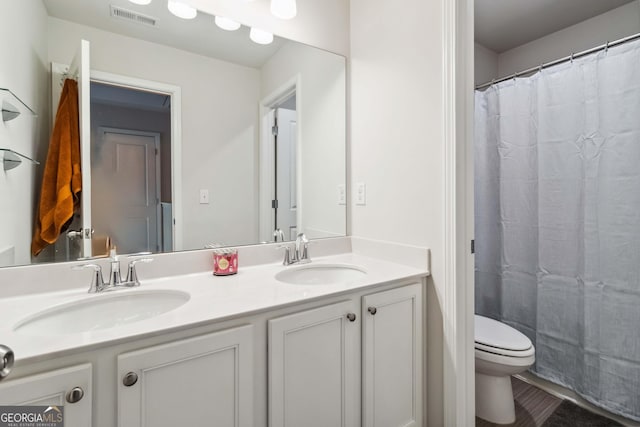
{"x":533,"y":406}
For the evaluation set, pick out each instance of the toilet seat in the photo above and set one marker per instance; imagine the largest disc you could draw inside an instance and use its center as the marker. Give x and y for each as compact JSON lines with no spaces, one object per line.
{"x":503,"y":363}
{"x":504,"y":352}
{"x":498,"y":338}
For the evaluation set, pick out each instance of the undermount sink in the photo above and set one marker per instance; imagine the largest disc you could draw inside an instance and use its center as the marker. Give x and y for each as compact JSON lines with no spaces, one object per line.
{"x":321,"y":274}
{"x":102,"y":311}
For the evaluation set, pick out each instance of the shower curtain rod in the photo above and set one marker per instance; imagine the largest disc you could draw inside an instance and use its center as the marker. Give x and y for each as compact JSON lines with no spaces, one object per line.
{"x":571,"y":57}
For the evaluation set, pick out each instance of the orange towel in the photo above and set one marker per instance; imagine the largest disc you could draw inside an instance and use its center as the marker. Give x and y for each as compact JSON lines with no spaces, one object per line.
{"x":62,"y":179}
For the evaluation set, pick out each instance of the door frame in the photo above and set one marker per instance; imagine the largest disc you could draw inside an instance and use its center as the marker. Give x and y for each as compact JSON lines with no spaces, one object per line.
{"x":175,"y":93}
{"x":156,"y":137}
{"x":458,"y":212}
{"x":266,"y":155}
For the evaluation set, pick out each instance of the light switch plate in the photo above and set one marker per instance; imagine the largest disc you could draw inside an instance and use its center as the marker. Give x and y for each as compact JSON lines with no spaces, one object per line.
{"x":342,"y":194}
{"x":204,"y":197}
{"x":361,"y":194}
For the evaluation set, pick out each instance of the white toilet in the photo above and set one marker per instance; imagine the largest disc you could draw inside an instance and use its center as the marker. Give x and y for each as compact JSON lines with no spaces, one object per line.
{"x":501,"y":351}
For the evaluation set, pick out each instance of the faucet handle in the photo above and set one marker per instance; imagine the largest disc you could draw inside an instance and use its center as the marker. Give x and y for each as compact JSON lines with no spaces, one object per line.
{"x":132,"y":275}
{"x":288,"y":260}
{"x":302,"y":248}
{"x":97,"y":281}
{"x":304,"y":256}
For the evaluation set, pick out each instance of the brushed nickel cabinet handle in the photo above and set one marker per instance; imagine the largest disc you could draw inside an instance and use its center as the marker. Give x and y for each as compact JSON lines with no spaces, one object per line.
{"x":372,"y":310}
{"x":130,"y":379}
{"x":75,"y":395}
{"x":6,"y":361}
{"x":351,"y":317}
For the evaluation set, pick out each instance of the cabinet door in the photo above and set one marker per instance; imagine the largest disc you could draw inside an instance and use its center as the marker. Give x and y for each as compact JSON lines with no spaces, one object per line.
{"x":314,"y":367}
{"x":203,"y":381}
{"x":392,"y":358}
{"x":51,"y":389}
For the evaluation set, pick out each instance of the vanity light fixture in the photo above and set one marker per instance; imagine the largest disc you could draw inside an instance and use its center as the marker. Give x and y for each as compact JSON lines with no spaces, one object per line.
{"x":182,"y":10}
{"x":141,"y":2}
{"x":284,"y":9}
{"x":260,"y":36}
{"x":226,"y":23}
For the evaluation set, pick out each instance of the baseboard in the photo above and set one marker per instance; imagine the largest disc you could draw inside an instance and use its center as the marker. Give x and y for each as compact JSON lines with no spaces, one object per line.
{"x":567,"y":394}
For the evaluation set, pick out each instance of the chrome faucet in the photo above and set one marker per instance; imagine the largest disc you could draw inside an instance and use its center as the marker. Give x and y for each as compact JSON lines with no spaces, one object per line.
{"x":115,"y":279}
{"x":300,"y":251}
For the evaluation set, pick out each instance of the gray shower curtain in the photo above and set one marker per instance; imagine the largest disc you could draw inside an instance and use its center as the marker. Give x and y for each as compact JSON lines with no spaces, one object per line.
{"x":557,"y":201}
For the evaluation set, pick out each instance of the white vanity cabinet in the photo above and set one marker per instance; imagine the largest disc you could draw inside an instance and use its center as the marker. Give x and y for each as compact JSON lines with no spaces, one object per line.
{"x":201,"y":381}
{"x":320,"y":360}
{"x":392,"y":358}
{"x":351,"y":358}
{"x":70,"y":387}
{"x":313,"y":367}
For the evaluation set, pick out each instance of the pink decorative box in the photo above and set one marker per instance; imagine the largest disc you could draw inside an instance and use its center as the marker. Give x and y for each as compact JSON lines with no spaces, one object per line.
{"x":225,"y":262}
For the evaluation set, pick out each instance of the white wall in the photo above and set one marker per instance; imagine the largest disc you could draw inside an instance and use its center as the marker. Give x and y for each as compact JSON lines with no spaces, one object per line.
{"x":613,"y":25}
{"x":23,"y":70}
{"x":397,"y":142}
{"x":322,"y":146}
{"x":219,"y":125}
{"x":485,"y":64}
{"x":324,"y":24}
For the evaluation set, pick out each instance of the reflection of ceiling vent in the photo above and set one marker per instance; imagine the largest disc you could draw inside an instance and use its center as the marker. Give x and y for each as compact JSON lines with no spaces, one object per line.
{"x":129,"y":15}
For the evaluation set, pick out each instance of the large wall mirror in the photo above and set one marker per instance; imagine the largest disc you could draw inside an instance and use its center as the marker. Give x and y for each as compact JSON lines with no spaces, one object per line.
{"x":198,"y":136}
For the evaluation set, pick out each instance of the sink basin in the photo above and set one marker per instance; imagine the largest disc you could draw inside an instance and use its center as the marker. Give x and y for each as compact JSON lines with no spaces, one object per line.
{"x":321,"y":274}
{"x":102,"y":311}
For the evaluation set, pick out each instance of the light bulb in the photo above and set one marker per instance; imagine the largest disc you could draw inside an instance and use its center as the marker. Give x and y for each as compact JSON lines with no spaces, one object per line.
{"x":260,"y":36}
{"x":142,"y":2}
{"x":182,"y":10}
{"x":284,"y":9}
{"x":226,"y":23}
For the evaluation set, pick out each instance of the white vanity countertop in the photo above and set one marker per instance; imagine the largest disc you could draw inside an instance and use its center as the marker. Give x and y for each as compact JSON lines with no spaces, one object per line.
{"x":213,"y":298}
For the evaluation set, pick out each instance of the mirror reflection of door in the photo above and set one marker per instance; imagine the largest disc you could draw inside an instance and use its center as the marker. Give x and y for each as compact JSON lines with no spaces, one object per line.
{"x":125,"y":167}
{"x":75,"y":241}
{"x":286,"y":148}
{"x":130,"y":168}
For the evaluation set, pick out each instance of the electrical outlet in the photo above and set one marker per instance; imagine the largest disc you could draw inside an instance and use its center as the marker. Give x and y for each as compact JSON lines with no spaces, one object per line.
{"x":204,"y":197}
{"x":361,"y":194}
{"x":342,"y":194}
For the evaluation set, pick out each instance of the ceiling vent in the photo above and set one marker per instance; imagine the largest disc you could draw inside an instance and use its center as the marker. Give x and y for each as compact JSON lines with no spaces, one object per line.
{"x":131,"y":16}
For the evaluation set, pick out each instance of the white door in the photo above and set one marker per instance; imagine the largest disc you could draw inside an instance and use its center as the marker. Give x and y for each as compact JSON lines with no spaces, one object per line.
{"x":51,"y":389}
{"x":314,"y":368}
{"x":392,"y":358}
{"x":286,"y":172}
{"x":205,"y":381}
{"x":80,"y":70}
{"x":126,"y":185}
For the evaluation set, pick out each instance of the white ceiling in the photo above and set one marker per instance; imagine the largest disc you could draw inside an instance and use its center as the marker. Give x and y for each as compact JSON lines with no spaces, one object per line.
{"x":199,"y":35}
{"x":502,"y":25}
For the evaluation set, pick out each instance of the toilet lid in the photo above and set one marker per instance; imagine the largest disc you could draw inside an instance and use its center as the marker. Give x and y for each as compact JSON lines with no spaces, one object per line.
{"x":499,"y":335}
